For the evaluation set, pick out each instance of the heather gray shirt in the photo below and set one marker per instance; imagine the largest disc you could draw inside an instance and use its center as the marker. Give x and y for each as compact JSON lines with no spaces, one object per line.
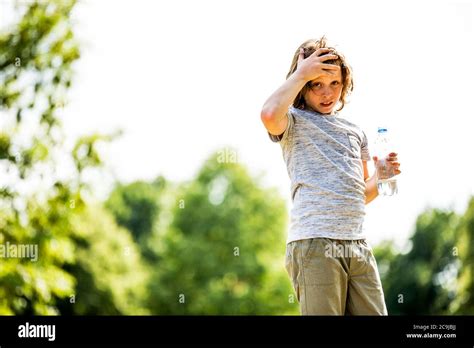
{"x":323,"y":156}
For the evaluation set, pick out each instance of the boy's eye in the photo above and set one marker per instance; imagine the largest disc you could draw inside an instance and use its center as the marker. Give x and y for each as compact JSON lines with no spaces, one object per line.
{"x":335,"y":83}
{"x":317,"y":84}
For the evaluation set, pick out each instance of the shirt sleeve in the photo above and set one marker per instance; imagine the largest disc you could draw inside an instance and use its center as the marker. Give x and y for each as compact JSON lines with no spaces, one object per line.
{"x":284,"y":135}
{"x":364,"y":148}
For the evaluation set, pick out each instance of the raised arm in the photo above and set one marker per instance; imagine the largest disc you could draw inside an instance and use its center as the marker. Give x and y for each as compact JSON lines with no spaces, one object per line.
{"x":273,"y":114}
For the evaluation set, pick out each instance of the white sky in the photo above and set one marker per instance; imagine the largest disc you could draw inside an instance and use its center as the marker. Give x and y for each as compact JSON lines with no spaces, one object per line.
{"x":185,"y":78}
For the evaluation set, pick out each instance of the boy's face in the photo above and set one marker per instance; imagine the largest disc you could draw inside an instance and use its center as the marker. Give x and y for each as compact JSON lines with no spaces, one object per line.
{"x":324,"y":93}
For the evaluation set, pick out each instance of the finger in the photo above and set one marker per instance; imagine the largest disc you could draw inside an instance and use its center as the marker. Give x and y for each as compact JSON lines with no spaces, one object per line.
{"x":301,"y":55}
{"x":393,"y":154}
{"x":330,"y":67}
{"x":324,"y":53}
{"x":323,"y":50}
{"x":329,"y":72}
{"x":328,"y":57}
{"x":392,"y":159}
{"x":375,"y":158}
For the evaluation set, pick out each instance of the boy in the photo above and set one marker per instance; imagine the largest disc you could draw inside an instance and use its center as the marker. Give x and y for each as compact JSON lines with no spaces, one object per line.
{"x":332,"y":268}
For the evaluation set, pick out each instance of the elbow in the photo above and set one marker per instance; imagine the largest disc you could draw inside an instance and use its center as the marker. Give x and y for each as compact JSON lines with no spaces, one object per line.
{"x":268,"y":119}
{"x":267,"y":115}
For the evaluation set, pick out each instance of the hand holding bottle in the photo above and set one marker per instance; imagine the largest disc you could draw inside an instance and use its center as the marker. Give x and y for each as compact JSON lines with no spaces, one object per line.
{"x":386,"y":164}
{"x":391,"y":165}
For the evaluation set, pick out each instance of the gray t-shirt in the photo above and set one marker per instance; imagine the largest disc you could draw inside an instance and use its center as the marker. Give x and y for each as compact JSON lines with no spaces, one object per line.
{"x":323,"y":156}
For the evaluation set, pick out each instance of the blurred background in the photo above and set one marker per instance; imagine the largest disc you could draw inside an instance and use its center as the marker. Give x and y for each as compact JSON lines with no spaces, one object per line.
{"x":133,"y":161}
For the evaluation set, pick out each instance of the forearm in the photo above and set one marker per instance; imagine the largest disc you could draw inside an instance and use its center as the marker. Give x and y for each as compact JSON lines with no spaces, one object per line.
{"x":371,"y":191}
{"x":278,"y":103}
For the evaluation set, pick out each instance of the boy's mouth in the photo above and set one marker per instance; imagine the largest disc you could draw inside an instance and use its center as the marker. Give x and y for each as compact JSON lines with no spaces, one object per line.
{"x":326,"y":104}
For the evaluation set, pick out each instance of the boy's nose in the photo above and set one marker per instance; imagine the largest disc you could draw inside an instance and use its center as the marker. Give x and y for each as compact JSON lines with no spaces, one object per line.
{"x":326,"y":92}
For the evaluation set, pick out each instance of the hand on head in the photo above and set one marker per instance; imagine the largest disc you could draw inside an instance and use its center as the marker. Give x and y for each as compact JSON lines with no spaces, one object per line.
{"x":312,"y":67}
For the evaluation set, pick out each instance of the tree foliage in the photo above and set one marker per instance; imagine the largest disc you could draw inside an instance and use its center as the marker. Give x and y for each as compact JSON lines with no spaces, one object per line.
{"x":224,"y":249}
{"x":80,"y":266}
{"x":464,"y":302}
{"x":435,"y":275}
{"x":213,"y":245}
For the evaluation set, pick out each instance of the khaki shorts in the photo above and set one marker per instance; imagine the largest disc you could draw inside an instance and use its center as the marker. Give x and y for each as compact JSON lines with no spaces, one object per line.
{"x":335,"y":277}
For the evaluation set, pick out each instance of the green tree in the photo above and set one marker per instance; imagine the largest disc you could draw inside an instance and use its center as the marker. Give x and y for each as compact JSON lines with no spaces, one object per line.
{"x":224,"y":249}
{"x":36,"y":55}
{"x":422,"y":281}
{"x":80,"y":252}
{"x":111,"y":275}
{"x":464,"y":302}
{"x":136,"y":207}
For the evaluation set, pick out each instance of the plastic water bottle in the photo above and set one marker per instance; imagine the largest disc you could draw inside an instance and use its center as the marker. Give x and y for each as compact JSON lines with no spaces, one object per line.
{"x":386,"y":181}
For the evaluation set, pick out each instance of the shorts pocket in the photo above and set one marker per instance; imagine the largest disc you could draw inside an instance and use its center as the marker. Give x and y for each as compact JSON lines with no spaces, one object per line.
{"x":307,"y":246}
{"x":319,"y":267}
{"x":314,"y":249}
